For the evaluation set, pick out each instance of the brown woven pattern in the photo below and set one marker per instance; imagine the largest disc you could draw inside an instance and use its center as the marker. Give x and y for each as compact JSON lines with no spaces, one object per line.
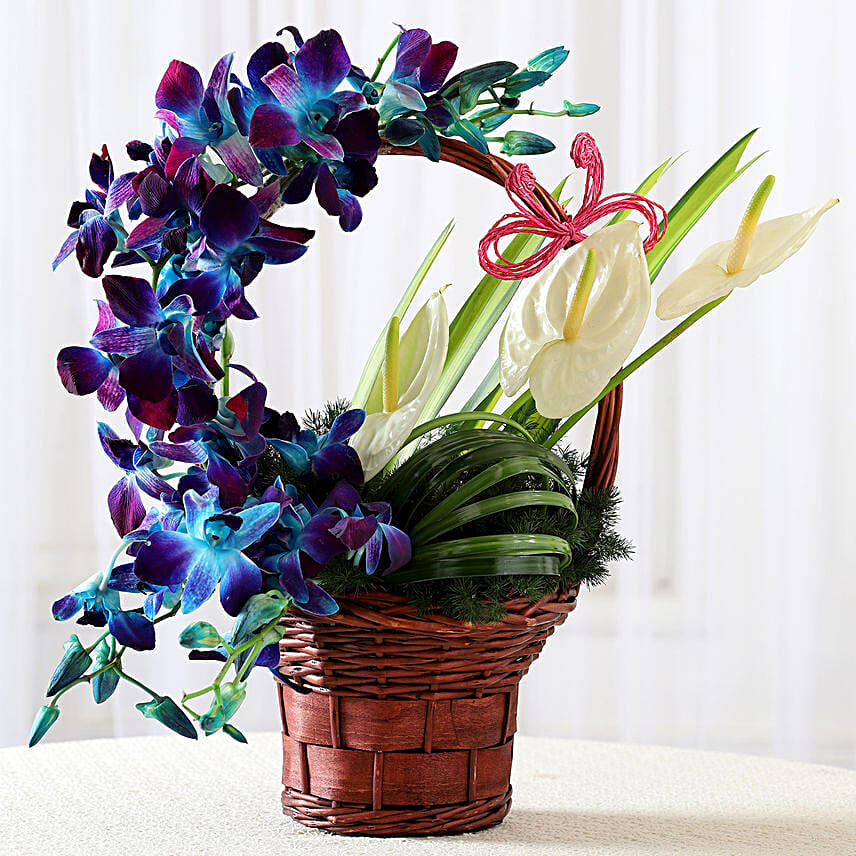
{"x":408,"y":724}
{"x":396,"y":723}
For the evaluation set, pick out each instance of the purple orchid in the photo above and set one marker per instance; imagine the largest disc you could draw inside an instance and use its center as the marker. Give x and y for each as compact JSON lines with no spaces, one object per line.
{"x":96,"y":221}
{"x":210,"y":551}
{"x":306,"y":98}
{"x":235,"y":242}
{"x":124,"y":501}
{"x":171,"y":206}
{"x":339,"y":183}
{"x":100,"y":606}
{"x":327,"y":457}
{"x":302,"y":545}
{"x":202,"y":117}
{"x":85,"y":370}
{"x":366,"y":529}
{"x":158,"y":353}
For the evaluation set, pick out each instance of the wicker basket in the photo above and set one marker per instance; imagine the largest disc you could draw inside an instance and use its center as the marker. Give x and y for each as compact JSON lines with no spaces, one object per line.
{"x":396,"y":723}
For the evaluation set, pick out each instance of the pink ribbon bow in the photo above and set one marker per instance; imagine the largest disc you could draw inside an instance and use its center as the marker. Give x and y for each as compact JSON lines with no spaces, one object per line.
{"x":533,"y":218}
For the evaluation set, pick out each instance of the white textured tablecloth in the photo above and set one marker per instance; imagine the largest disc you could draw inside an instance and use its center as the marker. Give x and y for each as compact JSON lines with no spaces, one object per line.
{"x":164,"y":795}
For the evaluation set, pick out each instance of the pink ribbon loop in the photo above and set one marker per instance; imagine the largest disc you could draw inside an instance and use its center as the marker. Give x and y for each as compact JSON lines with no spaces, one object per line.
{"x":531,"y":217}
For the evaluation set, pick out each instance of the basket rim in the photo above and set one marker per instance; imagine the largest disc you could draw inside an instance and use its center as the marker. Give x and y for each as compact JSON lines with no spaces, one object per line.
{"x":381,"y":610}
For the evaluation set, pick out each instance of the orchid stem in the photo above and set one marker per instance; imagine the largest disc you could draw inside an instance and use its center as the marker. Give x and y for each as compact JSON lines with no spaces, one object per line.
{"x":383,"y":58}
{"x":139,"y":684}
{"x":628,"y":370}
{"x":157,"y":267}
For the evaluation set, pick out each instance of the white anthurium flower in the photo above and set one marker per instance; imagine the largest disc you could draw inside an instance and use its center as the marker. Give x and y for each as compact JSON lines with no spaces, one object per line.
{"x":411,"y":370}
{"x":755,"y":250}
{"x":570,"y":330}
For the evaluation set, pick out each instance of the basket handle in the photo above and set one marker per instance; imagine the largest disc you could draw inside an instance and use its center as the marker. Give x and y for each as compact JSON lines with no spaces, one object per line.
{"x":603,"y":457}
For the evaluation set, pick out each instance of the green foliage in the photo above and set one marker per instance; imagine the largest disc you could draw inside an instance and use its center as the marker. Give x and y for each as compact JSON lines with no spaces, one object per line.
{"x":590,"y":531}
{"x":320,"y":421}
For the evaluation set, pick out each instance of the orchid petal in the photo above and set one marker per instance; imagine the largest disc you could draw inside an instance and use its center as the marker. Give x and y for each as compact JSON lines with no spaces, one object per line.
{"x":255,"y":522}
{"x":95,"y":241}
{"x":110,"y":394}
{"x":346,"y":425}
{"x":272,"y":125}
{"x":202,"y":578}
{"x":322,"y":63}
{"x":132,"y":300}
{"x":124,"y":340}
{"x":436,"y":66}
{"x":231,"y":482}
{"x":236,"y":153}
{"x":133,"y":630}
{"x":337,"y":461}
{"x":157,"y":414}
{"x":286,"y":86}
{"x":198,"y":508}
{"x":241,"y":579}
{"x":318,"y":602}
{"x":354,"y":532}
{"x":398,"y":546}
{"x":325,"y":144}
{"x":180,"y":90}
{"x":147,"y":374}
{"x":227,"y":218}
{"x":82,"y":370}
{"x":67,"y":248}
{"x":197,"y":404}
{"x":182,"y":149}
{"x":120,"y":191}
{"x":265,"y":58}
{"x":146,"y":233}
{"x":166,"y":558}
{"x":291,"y":576}
{"x":126,"y":507}
{"x":412,"y":49}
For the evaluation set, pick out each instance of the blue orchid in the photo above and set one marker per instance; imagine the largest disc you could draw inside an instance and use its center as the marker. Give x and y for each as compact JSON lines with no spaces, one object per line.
{"x":171,"y":206}
{"x":366,"y":528}
{"x":327,"y":456}
{"x":338,"y":183}
{"x":96,"y":222}
{"x":306,"y":98}
{"x":85,"y":370}
{"x":202,"y":117}
{"x":233,"y":245}
{"x":124,"y":502}
{"x":100,"y":606}
{"x":304,"y":544}
{"x":210,"y":551}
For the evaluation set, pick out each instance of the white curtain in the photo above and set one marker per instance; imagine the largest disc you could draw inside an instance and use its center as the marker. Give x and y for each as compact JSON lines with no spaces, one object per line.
{"x":732,"y":628}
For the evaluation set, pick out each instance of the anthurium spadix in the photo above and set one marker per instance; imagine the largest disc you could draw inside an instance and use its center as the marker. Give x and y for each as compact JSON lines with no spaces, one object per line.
{"x":412,"y":368}
{"x":755,"y":250}
{"x":573,"y":326}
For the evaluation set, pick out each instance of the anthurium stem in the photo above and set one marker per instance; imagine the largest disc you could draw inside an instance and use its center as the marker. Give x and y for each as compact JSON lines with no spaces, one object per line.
{"x":390,"y":366}
{"x":631,"y":367}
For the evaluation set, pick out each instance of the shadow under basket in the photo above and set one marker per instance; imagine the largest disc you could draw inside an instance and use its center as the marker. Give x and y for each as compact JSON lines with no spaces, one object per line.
{"x":398,"y":724}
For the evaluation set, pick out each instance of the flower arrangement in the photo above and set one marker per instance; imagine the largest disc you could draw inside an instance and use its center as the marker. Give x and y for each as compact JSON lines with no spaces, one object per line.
{"x":220,"y":493}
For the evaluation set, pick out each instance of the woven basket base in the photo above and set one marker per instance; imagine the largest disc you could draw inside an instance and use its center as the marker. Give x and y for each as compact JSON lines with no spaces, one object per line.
{"x":345,"y":819}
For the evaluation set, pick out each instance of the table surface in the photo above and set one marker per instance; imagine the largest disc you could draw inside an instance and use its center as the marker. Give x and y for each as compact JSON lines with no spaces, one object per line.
{"x":165,"y":795}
